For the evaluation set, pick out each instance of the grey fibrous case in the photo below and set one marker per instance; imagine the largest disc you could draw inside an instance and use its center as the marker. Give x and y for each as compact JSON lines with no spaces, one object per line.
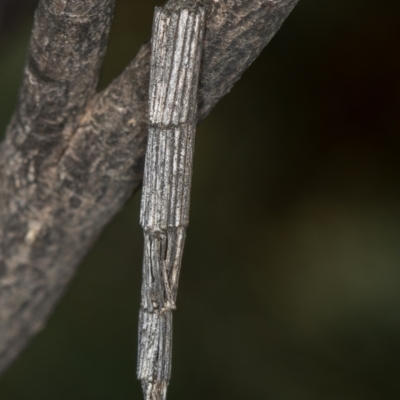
{"x":175,"y":63}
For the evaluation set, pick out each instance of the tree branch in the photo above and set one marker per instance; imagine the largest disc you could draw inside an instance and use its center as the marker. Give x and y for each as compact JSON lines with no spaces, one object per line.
{"x":71,"y":158}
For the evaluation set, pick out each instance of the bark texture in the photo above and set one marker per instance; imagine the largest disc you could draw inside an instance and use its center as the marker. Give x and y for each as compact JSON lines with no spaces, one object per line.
{"x":71,"y":157}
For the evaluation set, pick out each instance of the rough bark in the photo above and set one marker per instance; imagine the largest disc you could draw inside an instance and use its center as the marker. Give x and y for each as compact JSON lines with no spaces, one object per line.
{"x":71,"y":158}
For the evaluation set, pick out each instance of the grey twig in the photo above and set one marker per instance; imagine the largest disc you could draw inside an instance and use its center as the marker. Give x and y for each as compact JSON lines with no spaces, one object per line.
{"x":71,"y":157}
{"x":174,"y":76}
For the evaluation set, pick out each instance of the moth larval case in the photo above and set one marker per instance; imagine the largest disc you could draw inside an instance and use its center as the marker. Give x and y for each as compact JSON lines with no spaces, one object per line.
{"x":174,"y":75}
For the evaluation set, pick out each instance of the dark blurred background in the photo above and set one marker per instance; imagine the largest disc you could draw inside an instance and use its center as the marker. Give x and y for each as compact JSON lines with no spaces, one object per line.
{"x":290,"y":287}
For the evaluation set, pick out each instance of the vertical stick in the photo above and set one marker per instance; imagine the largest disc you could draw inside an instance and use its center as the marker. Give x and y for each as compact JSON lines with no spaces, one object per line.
{"x":176,"y":50}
